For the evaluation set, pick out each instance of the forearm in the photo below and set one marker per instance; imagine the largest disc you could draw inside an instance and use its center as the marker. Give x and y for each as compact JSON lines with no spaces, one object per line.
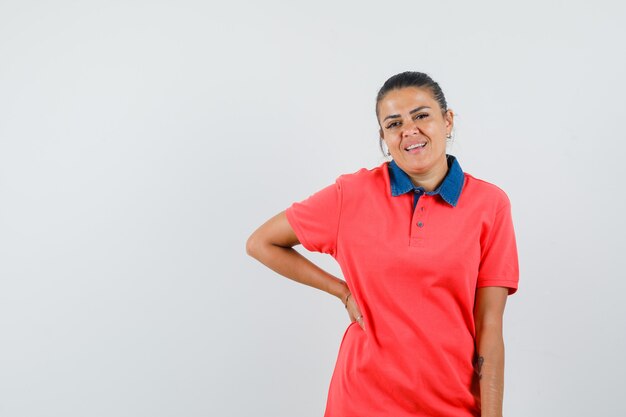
{"x":290,"y":263}
{"x":490,"y":368}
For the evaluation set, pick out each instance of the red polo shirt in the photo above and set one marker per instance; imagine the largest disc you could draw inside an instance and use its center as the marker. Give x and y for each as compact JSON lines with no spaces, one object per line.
{"x":412,"y":261}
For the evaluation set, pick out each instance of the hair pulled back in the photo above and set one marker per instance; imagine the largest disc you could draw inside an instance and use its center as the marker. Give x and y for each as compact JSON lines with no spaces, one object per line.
{"x":412,"y":79}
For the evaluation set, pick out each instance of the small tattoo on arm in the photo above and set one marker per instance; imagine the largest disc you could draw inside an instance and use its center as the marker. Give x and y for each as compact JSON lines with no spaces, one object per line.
{"x":479,"y":367}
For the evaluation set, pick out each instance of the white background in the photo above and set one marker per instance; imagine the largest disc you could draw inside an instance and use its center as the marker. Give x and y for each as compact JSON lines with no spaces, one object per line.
{"x":142,"y":142}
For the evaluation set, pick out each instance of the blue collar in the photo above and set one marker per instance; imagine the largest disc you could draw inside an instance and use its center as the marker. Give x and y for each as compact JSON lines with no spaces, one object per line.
{"x":449,"y":189}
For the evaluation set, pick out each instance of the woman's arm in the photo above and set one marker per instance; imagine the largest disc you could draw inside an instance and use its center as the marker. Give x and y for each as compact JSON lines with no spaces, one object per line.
{"x":272,"y":244}
{"x":488,"y":314}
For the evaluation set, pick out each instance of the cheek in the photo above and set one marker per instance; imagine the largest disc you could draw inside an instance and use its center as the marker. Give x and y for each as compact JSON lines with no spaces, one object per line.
{"x":391,"y":138}
{"x":438,"y":131}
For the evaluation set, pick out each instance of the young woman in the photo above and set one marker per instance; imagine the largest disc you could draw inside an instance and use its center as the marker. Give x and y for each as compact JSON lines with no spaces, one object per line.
{"x":429,"y":257}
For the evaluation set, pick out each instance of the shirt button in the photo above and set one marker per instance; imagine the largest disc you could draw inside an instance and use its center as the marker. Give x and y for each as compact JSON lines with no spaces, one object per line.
{"x":420,"y":224}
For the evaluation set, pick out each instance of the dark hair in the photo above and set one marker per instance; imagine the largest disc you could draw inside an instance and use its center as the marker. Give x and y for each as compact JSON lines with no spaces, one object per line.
{"x":411,"y":79}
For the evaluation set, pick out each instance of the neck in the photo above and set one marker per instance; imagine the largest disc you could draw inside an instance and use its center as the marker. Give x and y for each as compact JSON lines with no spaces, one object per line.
{"x":430,"y":180}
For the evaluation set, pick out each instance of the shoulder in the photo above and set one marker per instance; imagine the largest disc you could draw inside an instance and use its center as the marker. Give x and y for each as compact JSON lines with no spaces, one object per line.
{"x":378,"y":175}
{"x":485,"y":191}
{"x":349,"y":184}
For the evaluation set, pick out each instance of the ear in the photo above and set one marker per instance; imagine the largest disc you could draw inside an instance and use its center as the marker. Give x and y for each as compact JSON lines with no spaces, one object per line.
{"x":449,"y":117}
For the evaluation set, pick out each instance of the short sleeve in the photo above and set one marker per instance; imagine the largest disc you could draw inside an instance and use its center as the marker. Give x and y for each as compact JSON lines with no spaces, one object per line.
{"x":315,"y":220}
{"x":499,"y":263}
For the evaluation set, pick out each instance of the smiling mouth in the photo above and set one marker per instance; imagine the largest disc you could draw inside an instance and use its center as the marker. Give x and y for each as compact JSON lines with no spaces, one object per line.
{"x":415,"y":146}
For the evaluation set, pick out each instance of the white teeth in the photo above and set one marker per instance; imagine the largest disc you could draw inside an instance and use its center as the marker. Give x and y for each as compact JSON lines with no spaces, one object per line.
{"x":417,"y":145}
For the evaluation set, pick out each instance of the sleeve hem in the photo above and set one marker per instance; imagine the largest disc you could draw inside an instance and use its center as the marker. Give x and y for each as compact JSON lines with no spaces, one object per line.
{"x":507,"y":283}
{"x":298,"y":230}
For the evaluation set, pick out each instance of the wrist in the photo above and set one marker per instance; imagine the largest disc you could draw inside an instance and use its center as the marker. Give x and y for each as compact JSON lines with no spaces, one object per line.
{"x":345,"y":300}
{"x":341,"y":291}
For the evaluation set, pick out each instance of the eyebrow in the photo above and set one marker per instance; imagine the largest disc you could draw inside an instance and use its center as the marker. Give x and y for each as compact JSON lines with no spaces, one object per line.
{"x":392,"y":116}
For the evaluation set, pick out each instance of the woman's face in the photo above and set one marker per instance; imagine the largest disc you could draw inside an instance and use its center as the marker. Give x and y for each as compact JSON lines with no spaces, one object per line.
{"x":414,"y":129}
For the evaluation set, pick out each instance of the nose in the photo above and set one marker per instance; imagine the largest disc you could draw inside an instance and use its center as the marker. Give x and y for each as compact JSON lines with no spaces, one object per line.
{"x":410,"y":129}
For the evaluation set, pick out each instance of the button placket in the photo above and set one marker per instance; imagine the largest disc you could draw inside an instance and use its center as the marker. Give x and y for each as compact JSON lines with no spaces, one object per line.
{"x":419,"y":210}
{"x":419,"y":221}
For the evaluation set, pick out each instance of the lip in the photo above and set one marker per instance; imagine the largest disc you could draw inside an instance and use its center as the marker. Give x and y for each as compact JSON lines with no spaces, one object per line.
{"x":415,"y":150}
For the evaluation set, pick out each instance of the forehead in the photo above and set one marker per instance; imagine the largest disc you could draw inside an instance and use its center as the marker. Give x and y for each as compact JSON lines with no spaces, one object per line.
{"x":406,"y":99}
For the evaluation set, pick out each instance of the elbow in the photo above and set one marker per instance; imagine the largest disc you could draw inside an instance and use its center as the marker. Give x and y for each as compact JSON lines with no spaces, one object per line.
{"x":489,"y":323}
{"x":252,"y":245}
{"x":256,"y":245}
{"x":492,"y":328}
{"x":272,"y":234}
{"x":488,"y":337}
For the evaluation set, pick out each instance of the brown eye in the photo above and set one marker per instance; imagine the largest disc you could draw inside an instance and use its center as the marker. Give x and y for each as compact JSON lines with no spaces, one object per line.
{"x":393,"y":124}
{"x":421,"y":116}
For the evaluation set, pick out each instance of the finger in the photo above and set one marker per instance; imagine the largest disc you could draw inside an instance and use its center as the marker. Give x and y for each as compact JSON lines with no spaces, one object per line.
{"x":355,"y":314}
{"x":359,"y":319}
